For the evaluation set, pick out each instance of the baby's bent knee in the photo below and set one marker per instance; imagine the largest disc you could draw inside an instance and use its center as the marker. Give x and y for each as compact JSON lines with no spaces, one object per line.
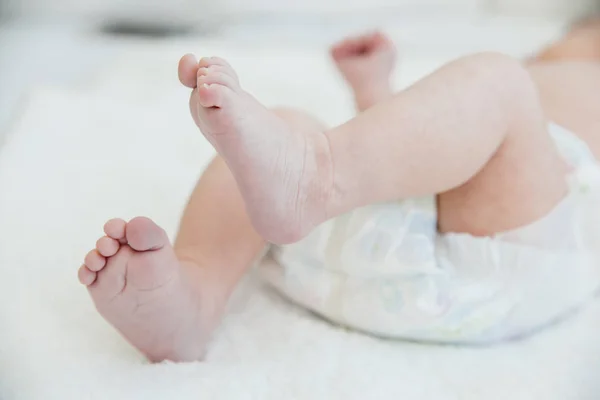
{"x":497,"y":70}
{"x":508,"y":82}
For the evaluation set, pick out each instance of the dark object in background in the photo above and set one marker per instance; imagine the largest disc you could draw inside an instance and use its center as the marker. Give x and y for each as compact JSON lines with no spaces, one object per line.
{"x":143,"y":29}
{"x":3,"y":15}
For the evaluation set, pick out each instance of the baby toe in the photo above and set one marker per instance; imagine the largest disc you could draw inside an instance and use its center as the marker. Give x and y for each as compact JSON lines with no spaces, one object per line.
{"x":213,"y":95}
{"x":86,"y":277}
{"x":208,"y":61}
{"x":115,"y":228}
{"x":188,"y":66}
{"x":94,"y":261}
{"x":203,"y":71}
{"x":143,"y":234}
{"x":220,"y":61}
{"x":216,"y":77}
{"x":107,"y":246}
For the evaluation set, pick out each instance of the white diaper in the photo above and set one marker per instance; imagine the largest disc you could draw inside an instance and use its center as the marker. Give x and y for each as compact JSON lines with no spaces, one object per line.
{"x":384,"y":269}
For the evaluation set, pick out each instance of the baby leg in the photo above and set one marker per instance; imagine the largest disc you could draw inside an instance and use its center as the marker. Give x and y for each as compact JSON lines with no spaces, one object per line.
{"x":473,"y":132}
{"x":476,"y":124}
{"x":164,"y":300}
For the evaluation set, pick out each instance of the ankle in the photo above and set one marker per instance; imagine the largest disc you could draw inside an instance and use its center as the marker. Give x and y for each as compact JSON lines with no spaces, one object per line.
{"x":324,"y":189}
{"x":213,"y":293}
{"x":325,"y":186}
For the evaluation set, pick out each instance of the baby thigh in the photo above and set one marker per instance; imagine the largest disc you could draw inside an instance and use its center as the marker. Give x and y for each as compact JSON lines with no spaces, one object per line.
{"x":520,"y":184}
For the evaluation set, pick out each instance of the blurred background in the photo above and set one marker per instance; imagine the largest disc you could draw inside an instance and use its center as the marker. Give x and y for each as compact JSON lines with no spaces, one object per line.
{"x":67,"y":42}
{"x":96,"y":125}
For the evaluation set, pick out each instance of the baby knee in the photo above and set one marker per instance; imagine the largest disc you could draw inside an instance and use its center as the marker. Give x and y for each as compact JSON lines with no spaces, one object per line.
{"x":496,"y":68}
{"x":508,"y":82}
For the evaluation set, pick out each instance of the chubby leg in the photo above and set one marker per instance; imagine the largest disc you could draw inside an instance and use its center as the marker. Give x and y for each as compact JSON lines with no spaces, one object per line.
{"x":475,"y":124}
{"x":474,"y":132}
{"x":366,"y":64}
{"x":167,"y":301}
{"x":215,"y":233}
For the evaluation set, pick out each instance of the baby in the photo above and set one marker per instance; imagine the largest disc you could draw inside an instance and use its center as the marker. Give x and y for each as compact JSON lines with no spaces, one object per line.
{"x":449,"y":212}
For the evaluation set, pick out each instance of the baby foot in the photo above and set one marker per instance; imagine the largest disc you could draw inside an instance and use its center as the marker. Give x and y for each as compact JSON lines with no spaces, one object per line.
{"x":284,"y":174}
{"x":140,"y":287}
{"x":366,"y":62}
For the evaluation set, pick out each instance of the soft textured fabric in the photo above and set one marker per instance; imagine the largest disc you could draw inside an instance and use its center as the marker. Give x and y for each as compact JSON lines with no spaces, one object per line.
{"x":123,"y":145}
{"x":384,"y":268}
{"x":62,"y":177}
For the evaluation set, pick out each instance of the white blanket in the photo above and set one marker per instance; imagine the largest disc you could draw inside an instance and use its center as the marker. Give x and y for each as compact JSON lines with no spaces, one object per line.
{"x":127,"y":147}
